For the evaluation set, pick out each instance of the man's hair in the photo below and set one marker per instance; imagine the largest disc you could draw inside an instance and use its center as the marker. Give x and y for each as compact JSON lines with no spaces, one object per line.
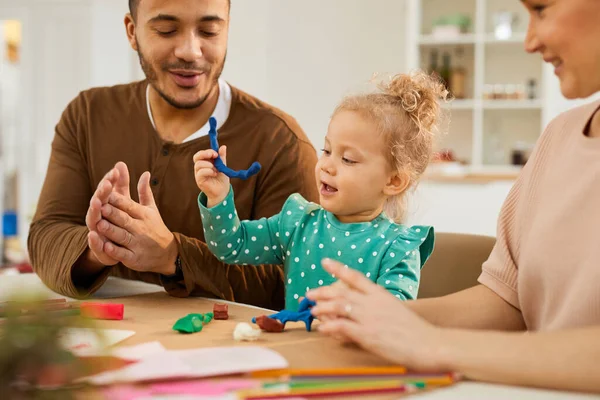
{"x":133,"y":4}
{"x":133,"y":7}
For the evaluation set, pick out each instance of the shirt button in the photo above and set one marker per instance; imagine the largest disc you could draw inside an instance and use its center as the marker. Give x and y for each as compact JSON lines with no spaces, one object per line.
{"x":165,"y":151}
{"x":154,"y":181}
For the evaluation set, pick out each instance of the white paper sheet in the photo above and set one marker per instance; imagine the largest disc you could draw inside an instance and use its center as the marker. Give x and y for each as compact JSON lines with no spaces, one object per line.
{"x":196,"y":363}
{"x":138,"y":352}
{"x":88,"y":342}
{"x":24,"y":285}
{"x":32,"y":285}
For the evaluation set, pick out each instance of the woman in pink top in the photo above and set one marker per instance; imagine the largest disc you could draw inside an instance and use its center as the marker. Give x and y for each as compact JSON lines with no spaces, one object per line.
{"x":543,"y":275}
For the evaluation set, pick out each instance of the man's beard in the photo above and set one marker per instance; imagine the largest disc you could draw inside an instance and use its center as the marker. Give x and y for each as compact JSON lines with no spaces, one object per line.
{"x":152,"y":78}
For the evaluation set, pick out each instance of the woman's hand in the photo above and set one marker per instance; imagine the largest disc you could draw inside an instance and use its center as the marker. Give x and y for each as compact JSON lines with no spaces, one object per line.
{"x":214,"y":184}
{"x":354,"y":309}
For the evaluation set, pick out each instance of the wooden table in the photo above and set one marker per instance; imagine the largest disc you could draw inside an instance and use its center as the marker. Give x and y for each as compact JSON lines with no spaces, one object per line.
{"x":152,"y":317}
{"x":151,"y":314}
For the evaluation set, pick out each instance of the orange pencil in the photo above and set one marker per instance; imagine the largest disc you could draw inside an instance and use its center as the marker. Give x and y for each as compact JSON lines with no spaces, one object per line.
{"x":359,"y":371}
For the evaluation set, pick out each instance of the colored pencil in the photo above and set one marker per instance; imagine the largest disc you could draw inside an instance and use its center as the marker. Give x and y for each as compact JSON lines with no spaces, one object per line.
{"x":366,"y":371}
{"x":407,"y":376}
{"x":326,"y":391}
{"x":54,"y":306}
{"x":426,"y":381}
{"x":38,"y":302}
{"x":331,"y":382}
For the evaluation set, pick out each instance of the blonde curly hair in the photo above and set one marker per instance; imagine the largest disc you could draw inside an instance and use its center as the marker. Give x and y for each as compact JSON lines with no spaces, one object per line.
{"x":407,"y":111}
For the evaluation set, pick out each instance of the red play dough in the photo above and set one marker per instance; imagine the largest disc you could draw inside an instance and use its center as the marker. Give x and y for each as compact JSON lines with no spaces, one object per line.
{"x":269,"y":324}
{"x":221,"y":311}
{"x":102,"y":310}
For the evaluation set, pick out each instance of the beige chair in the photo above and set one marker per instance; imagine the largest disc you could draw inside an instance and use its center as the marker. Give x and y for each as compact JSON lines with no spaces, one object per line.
{"x":455,"y":263}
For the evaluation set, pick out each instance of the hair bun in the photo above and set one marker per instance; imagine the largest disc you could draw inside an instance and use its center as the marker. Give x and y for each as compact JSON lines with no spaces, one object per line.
{"x":418,"y":94}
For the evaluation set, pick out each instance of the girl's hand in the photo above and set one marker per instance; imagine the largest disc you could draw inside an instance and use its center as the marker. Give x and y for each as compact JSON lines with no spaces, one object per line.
{"x":210,"y":181}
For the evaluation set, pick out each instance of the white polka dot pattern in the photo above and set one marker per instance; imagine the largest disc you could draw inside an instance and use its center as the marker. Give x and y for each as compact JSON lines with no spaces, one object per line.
{"x":383,"y":251}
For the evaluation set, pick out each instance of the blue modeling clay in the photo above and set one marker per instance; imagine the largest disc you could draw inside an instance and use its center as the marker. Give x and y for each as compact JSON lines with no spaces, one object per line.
{"x":303,"y":314}
{"x":306,"y":304}
{"x":219,"y":165}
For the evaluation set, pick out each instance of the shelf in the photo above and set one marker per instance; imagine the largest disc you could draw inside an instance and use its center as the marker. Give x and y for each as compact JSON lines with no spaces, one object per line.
{"x":518,"y":38}
{"x":469,"y":104}
{"x":470,"y":38}
{"x":512,"y":105}
{"x":460,"y":104}
{"x":453,"y":173}
{"x":475,"y":120}
{"x":431,"y":40}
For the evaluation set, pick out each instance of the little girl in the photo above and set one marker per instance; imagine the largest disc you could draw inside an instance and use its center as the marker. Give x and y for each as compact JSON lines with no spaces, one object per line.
{"x":376,"y":148}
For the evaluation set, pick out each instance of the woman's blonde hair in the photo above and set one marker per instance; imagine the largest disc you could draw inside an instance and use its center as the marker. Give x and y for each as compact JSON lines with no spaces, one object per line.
{"x":407,"y":111}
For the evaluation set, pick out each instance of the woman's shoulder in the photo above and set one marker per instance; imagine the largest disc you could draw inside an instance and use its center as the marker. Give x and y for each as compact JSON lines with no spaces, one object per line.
{"x":581,"y":113}
{"x":573,"y":120}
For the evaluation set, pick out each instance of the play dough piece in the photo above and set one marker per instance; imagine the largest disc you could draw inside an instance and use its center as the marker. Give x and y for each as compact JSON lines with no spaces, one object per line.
{"x":102,"y":310}
{"x":220,"y":165}
{"x":221,"y":311}
{"x":269,"y":324}
{"x":207,"y":318}
{"x":303,"y":314}
{"x":244,"y":332}
{"x":191,"y":323}
{"x":306,"y":304}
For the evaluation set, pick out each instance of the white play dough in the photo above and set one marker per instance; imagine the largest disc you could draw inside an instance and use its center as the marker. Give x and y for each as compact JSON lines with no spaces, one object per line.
{"x":243,"y":331}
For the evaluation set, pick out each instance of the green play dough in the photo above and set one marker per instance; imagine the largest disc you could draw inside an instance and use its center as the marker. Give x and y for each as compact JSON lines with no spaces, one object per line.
{"x":208,"y":317}
{"x":191,"y":323}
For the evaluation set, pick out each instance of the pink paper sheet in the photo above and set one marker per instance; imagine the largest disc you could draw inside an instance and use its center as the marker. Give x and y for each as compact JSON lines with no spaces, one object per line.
{"x":202,"y":388}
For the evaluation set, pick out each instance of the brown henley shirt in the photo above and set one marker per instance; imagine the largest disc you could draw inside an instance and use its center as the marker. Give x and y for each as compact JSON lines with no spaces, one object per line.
{"x":105,"y":125}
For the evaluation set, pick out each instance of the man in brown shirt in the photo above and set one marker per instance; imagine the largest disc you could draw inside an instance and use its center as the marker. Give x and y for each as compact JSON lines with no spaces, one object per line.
{"x":80,"y":236}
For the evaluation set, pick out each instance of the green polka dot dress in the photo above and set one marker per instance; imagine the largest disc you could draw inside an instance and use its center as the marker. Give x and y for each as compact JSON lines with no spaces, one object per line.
{"x":303,"y":234}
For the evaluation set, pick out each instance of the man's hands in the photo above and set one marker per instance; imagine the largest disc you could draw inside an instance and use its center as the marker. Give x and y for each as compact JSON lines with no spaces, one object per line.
{"x":116,"y":179}
{"x":122,"y":230}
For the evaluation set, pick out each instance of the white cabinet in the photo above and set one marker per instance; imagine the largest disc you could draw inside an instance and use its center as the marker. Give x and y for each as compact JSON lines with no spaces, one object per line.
{"x":484,"y":132}
{"x":481,"y":132}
